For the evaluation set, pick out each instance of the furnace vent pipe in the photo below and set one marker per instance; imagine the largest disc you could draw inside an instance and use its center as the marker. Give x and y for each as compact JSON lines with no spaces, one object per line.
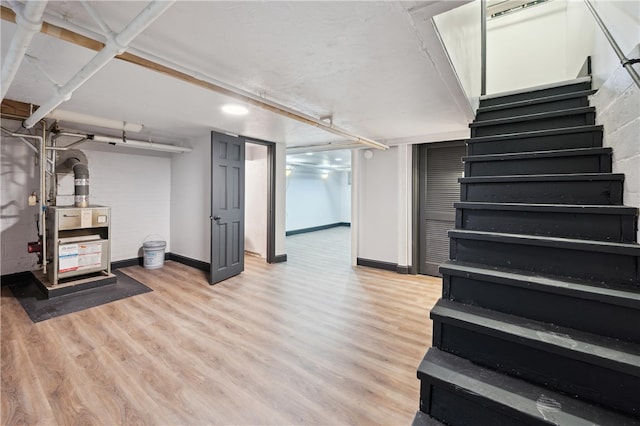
{"x":29,"y":21}
{"x":81,"y":182}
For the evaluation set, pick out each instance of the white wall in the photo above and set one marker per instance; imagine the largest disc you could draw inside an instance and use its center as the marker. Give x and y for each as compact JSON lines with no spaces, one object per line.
{"x":377,"y":206}
{"x":549,"y":43}
{"x":135,"y":185}
{"x":618,"y":109}
{"x":18,"y":178}
{"x":256,"y":190}
{"x":313,"y":201}
{"x":191,"y":201}
{"x":460,"y":31}
{"x":528,"y":48}
{"x":345,"y":198}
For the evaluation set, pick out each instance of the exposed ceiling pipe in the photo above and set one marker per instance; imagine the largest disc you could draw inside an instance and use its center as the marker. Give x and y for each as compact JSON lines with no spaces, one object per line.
{"x":179,"y":72}
{"x":92,"y":120}
{"x":116,"y":44}
{"x":127,"y":142}
{"x":141,"y":144}
{"x":26,"y":142}
{"x":29,"y":21}
{"x":73,"y":33}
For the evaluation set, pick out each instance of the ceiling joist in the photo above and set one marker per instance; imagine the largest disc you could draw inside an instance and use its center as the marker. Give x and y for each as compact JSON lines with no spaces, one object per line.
{"x":238,"y":94}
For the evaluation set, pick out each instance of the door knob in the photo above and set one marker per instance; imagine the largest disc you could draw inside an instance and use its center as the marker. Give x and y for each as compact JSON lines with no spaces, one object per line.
{"x":216,"y":218}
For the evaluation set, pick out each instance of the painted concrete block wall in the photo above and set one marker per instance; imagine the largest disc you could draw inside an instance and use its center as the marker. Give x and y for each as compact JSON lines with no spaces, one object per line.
{"x":618,"y":108}
{"x":18,"y":178}
{"x":137,"y":187}
{"x":313,"y":201}
{"x":256,"y":181}
{"x":377,"y":207}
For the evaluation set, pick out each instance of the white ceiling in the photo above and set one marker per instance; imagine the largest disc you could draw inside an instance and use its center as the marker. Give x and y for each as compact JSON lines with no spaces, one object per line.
{"x":362,"y":62}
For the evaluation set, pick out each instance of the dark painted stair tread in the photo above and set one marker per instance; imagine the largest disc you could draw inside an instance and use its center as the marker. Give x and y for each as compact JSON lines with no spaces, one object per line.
{"x":560,"y":208}
{"x":542,"y":99}
{"x":422,"y":419}
{"x":536,"y":133}
{"x":569,"y":86}
{"x":537,"y":154}
{"x":529,"y":117}
{"x":593,"y":349}
{"x":517,"y":398}
{"x":535,"y":240}
{"x":610,"y":293}
{"x":545,"y":178}
{"x":615,"y":223}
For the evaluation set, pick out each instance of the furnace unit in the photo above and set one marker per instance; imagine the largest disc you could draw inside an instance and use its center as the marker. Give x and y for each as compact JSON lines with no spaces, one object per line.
{"x":78,"y":243}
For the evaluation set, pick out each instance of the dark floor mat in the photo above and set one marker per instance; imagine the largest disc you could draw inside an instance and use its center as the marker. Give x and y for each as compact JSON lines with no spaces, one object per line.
{"x":39,"y":308}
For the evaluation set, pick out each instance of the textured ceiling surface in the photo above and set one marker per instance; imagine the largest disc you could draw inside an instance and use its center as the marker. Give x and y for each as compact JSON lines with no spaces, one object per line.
{"x":362,"y":63}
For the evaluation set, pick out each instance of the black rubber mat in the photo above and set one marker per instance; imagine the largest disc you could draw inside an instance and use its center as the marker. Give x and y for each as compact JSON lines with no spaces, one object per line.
{"x":39,"y":308}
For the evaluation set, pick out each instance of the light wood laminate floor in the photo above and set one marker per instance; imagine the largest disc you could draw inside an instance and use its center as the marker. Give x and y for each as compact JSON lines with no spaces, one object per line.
{"x":309,"y":341}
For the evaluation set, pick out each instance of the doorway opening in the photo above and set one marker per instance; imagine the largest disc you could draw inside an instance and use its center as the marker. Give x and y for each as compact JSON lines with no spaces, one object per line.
{"x":319,"y":201}
{"x":256,"y":199}
{"x":228,"y":202}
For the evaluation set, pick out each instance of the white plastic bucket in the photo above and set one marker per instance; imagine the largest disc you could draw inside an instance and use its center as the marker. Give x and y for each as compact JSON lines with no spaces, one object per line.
{"x":153,"y":253}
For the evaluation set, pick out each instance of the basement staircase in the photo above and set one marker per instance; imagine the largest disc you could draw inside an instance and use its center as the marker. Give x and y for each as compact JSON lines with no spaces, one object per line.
{"x":539,"y":320}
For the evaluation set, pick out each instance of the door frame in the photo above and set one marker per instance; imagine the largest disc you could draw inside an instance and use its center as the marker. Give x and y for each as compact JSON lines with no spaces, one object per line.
{"x":271,"y":195}
{"x":419,"y":213}
{"x":415,"y":208}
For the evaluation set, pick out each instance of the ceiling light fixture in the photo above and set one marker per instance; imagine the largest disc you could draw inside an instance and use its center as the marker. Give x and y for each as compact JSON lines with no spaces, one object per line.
{"x":235,"y":109}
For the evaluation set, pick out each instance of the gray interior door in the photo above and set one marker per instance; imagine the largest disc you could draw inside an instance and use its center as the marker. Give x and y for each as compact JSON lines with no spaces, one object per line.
{"x":227,"y":206}
{"x":440,"y":167}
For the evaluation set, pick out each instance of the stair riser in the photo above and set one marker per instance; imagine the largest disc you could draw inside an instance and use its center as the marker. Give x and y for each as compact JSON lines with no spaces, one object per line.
{"x":557,"y":371}
{"x":458,"y":408}
{"x":611,"y":227}
{"x":534,"y":109}
{"x":539,"y":143}
{"x":540,"y":166}
{"x":564,"y":262}
{"x":558,"y":122}
{"x":561,"y":192}
{"x":604,"y":319}
{"x":536,"y":94}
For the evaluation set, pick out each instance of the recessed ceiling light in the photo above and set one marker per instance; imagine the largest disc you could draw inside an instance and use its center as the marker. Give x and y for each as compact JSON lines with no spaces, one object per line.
{"x":235,"y":109}
{"x":309,"y":153}
{"x":338,"y":159}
